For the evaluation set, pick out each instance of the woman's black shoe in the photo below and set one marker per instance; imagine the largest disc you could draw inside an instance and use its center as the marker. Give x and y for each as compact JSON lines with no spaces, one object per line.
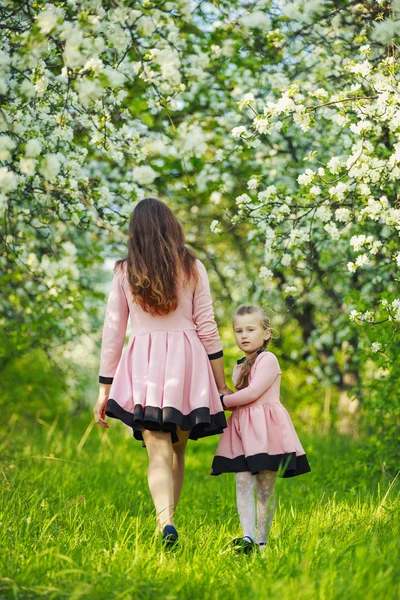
{"x":169,"y":536}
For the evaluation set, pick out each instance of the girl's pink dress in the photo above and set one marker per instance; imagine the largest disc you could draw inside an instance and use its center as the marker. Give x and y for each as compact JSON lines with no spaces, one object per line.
{"x":260,"y":434}
{"x":163,"y":378}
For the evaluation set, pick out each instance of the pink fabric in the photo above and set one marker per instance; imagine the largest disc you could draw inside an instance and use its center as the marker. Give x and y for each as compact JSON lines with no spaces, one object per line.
{"x":165,"y":362}
{"x":260,"y":423}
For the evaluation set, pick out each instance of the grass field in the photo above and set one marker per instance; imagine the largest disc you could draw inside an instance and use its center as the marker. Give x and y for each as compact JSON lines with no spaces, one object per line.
{"x":77,"y":522}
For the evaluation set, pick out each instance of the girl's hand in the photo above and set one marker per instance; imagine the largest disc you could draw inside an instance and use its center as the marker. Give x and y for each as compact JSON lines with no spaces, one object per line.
{"x":99,"y":410}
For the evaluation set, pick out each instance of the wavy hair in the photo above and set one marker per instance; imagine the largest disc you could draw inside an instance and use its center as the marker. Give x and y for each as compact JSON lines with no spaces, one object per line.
{"x":157,"y":257}
{"x":250,"y":309}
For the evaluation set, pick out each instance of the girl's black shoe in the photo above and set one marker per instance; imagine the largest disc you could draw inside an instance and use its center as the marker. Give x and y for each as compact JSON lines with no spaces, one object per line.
{"x":169,"y":536}
{"x":244,"y":545}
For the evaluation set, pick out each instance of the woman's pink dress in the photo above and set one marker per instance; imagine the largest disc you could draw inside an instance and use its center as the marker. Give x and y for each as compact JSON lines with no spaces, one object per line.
{"x":163,"y":378}
{"x":260,"y":434}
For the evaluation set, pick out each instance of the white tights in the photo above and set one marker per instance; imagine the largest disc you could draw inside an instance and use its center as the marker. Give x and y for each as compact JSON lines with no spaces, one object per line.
{"x":264,"y":485}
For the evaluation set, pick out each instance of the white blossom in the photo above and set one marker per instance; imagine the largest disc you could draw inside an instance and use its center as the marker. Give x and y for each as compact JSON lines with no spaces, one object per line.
{"x":8,"y":180}
{"x":339,"y":190}
{"x":265,"y":273}
{"x":306,"y":177}
{"x":315,"y":190}
{"x":320,"y":93}
{"x":215,"y":226}
{"x":285,"y":105}
{"x":243,"y":199}
{"x":351,"y":267}
{"x":50,"y":167}
{"x":144,"y":174}
{"x":363,"y":68}
{"x":48,"y":19}
{"x":239,"y":131}
{"x":354,"y":314}
{"x":262,"y":125}
{"x":302,"y":118}
{"x":335,"y":164}
{"x":89,"y":90}
{"x":290,"y":289}
{"x":94,"y":64}
{"x":256,"y":20}
{"x":358,"y":241}
{"x":323,"y":213}
{"x":362,"y":260}
{"x":33,"y":147}
{"x":342,"y":214}
{"x":246,"y":100}
{"x":333,"y":231}
{"x":6,"y":145}
{"x":266,"y":194}
{"x":27,"y":165}
{"x":252,"y":184}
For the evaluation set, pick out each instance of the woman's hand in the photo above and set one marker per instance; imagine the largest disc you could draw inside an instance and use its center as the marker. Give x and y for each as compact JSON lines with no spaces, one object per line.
{"x":225,"y":391}
{"x":99,"y":409}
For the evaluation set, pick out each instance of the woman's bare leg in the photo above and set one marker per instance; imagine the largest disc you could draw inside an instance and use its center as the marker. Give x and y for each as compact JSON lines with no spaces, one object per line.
{"x":159,"y":475}
{"x":178,"y":463}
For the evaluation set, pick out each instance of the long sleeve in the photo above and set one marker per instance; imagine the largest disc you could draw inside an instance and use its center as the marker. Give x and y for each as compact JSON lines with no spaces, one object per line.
{"x":203,"y":315}
{"x":264,"y":375}
{"x":114,"y":329}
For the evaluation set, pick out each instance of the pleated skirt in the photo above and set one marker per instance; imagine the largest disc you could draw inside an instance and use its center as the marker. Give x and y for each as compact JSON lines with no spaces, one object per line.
{"x":164,"y":380}
{"x":260,"y":437}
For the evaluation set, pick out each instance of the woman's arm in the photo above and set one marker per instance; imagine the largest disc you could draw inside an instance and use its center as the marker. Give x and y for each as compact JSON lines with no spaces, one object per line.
{"x":207,"y":330}
{"x":114,"y":329}
{"x":265,"y":373}
{"x":217,"y":366}
{"x":113,"y":337}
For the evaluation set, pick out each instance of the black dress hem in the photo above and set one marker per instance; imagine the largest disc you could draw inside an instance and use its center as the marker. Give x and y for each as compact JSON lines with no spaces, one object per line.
{"x":199,"y":422}
{"x":287,"y":465}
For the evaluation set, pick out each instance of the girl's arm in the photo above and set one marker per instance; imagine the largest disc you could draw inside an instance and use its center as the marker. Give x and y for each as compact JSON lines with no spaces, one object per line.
{"x":265,"y":373}
{"x":114,"y":330}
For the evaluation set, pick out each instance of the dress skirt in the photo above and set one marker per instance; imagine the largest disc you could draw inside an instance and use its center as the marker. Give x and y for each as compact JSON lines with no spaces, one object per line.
{"x":260,"y":437}
{"x":164,"y":380}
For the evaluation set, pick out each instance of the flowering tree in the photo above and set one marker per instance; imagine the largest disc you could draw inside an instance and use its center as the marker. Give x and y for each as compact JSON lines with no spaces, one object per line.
{"x":273,"y":122}
{"x":332,"y":241}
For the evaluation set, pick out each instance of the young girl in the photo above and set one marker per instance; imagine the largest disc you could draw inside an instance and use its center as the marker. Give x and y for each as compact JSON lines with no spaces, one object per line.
{"x":260,"y":439}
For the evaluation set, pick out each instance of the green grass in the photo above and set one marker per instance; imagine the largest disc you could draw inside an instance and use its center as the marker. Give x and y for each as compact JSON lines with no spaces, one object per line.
{"x":77,"y":522}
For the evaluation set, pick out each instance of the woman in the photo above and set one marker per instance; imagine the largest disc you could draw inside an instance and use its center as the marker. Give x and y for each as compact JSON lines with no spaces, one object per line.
{"x":167,"y":382}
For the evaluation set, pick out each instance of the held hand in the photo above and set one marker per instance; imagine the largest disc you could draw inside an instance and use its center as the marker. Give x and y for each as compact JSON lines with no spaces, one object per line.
{"x":225,"y":391}
{"x":99,"y":410}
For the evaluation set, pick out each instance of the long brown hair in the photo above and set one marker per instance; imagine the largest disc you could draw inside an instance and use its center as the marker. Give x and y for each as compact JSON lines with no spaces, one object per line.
{"x":157,"y":257}
{"x":249,"y":309}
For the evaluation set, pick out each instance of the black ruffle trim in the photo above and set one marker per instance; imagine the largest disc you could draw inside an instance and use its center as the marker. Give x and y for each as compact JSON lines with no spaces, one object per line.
{"x":199,"y":422}
{"x":287,"y":465}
